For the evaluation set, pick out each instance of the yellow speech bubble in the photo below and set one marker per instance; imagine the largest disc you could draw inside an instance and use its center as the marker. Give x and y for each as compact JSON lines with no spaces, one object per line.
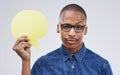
{"x":30,"y":23}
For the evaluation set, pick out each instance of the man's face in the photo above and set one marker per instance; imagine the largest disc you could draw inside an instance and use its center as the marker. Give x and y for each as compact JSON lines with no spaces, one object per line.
{"x":72,"y":39}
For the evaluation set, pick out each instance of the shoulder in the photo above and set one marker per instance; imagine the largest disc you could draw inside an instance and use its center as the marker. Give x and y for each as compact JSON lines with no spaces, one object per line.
{"x":96,"y":62}
{"x":49,"y":56}
{"x":96,"y":57}
{"x":93,"y":58}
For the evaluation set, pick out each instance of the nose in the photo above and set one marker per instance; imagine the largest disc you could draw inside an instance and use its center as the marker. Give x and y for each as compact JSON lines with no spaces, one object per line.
{"x":72,"y":32}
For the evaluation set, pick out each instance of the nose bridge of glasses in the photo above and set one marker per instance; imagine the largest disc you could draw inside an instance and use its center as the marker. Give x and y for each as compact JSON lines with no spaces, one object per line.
{"x":72,"y":30}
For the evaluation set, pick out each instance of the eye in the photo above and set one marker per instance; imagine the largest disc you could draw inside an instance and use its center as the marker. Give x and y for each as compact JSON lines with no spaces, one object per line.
{"x":65,"y":26}
{"x":79,"y":27}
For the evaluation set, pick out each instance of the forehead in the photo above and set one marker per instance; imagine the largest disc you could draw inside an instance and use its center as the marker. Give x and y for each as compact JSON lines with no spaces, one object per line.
{"x":72,"y":17}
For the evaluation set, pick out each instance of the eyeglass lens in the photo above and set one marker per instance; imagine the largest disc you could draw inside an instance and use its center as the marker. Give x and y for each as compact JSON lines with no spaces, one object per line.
{"x":77,"y":28}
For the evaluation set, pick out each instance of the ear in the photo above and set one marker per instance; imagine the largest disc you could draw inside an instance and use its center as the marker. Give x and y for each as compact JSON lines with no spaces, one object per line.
{"x":85,"y":31}
{"x":58,"y":28}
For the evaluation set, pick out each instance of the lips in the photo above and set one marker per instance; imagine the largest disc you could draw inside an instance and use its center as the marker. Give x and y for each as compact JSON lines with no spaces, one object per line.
{"x":71,"y":41}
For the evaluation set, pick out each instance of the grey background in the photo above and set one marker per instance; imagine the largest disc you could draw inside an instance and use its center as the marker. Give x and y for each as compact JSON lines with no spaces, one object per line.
{"x":103,"y":30}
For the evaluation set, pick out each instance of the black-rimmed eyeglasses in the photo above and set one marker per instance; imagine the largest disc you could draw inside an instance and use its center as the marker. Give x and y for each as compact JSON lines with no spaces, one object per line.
{"x":77,"y":28}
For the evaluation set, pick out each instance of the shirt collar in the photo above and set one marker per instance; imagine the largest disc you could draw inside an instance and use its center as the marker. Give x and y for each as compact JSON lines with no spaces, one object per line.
{"x":78,"y":56}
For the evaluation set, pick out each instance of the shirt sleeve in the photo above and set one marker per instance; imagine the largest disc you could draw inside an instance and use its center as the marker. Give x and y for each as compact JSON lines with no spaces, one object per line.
{"x":36,"y":69}
{"x":107,"y":69}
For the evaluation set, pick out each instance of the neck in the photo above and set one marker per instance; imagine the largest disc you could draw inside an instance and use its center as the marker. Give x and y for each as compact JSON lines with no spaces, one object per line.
{"x":74,"y":50}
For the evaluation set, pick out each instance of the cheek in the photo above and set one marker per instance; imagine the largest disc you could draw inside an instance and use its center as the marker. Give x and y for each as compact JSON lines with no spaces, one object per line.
{"x":80,"y":37}
{"x":63,"y":35}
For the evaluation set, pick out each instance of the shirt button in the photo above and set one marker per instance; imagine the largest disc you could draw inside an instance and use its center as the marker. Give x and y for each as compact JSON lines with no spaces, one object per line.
{"x":73,"y":66}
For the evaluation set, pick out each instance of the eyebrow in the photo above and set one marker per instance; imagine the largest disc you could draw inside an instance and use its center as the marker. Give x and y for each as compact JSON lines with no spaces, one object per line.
{"x":74,"y":24}
{"x":78,"y":22}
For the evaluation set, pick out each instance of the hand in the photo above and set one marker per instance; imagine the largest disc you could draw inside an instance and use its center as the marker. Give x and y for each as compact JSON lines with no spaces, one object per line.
{"x":22,"y":48}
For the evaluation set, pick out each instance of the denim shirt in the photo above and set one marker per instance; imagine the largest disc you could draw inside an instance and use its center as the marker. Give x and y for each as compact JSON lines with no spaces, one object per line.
{"x":61,"y":62}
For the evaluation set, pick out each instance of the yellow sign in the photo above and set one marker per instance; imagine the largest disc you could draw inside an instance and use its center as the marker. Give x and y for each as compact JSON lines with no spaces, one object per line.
{"x":29,"y":23}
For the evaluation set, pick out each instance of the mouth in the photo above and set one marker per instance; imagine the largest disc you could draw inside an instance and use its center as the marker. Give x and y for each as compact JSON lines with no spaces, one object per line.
{"x":71,"y":41}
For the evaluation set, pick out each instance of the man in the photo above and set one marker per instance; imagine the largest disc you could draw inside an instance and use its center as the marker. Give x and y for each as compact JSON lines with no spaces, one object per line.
{"x":72,"y":58}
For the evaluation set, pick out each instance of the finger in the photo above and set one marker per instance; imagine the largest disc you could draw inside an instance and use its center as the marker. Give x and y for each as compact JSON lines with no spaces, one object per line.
{"x":28,"y":50}
{"x":19,"y":47}
{"x":27,"y":45}
{"x":23,"y":38}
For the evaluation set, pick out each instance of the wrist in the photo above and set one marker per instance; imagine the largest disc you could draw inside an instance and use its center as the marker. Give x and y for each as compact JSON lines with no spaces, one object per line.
{"x":25,"y":61}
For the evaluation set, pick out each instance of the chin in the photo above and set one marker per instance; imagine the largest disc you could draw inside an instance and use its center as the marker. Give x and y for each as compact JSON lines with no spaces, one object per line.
{"x":71,"y":47}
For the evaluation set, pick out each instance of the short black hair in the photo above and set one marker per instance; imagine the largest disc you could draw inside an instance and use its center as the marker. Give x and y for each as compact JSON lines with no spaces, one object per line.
{"x":74,"y":7}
